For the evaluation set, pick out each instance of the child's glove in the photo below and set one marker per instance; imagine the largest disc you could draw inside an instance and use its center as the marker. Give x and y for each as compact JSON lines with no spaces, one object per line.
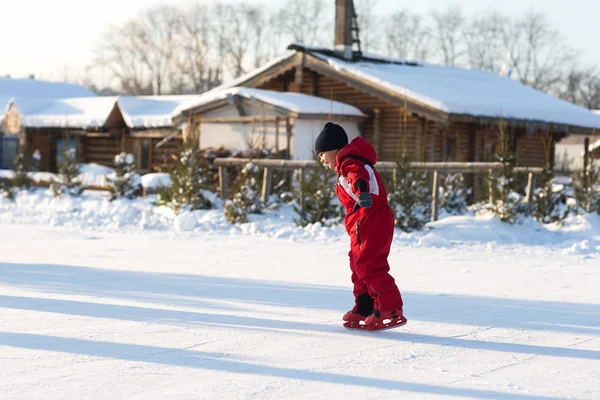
{"x":364,"y":200}
{"x":364,"y":197}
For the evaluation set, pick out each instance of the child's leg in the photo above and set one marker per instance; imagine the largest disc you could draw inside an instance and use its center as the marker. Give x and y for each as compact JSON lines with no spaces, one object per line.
{"x":359,"y":286}
{"x":370,"y":255}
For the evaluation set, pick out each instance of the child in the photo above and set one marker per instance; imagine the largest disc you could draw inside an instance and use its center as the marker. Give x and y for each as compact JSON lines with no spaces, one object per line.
{"x":370,"y":223}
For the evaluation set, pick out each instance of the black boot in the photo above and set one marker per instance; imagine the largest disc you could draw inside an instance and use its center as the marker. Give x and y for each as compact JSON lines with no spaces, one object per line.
{"x":362,"y":309}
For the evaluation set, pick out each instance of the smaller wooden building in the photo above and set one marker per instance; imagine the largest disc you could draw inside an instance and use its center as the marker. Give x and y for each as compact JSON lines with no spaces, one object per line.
{"x":240,"y":118}
{"x":98,"y":128}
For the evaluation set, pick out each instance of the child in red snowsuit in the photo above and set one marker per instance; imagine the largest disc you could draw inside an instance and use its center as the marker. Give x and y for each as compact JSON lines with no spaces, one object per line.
{"x":370,"y":223}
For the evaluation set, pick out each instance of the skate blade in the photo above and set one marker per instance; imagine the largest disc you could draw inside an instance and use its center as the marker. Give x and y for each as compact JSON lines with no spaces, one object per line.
{"x":389,"y":325}
{"x":355,"y":325}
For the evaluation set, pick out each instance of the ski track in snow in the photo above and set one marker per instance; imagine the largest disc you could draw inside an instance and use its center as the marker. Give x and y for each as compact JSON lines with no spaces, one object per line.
{"x":133,"y":313}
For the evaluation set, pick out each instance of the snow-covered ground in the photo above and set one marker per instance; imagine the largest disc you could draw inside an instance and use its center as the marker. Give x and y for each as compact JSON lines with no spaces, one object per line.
{"x":106,"y":300}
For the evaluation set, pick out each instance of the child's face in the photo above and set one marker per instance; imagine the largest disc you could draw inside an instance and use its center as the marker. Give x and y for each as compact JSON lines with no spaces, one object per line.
{"x":328,"y":158}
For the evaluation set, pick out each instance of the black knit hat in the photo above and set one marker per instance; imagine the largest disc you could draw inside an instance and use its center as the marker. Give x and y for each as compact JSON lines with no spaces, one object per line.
{"x":332,"y":137}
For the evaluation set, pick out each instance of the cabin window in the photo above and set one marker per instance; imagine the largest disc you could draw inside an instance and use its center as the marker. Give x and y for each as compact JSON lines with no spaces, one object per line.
{"x":60,"y":144}
{"x":451,"y":150}
{"x":8,"y":151}
{"x":140,"y":148}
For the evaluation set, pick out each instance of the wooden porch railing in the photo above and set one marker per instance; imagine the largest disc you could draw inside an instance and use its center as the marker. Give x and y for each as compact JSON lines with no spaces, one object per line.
{"x":436,"y":168}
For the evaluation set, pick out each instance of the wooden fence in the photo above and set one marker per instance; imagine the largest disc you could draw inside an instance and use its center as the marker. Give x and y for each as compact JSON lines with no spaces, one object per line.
{"x":437,"y":168}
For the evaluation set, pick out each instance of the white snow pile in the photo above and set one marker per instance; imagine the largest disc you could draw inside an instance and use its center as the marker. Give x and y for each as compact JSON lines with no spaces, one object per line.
{"x":97,"y":175}
{"x":93,"y":210}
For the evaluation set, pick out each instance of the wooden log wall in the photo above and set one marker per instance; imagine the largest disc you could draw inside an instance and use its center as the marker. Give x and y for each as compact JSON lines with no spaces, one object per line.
{"x":394,"y":131}
{"x":530,"y":150}
{"x":424,"y":140}
{"x":100,"y":150}
{"x":41,"y":142}
{"x":162,"y":157}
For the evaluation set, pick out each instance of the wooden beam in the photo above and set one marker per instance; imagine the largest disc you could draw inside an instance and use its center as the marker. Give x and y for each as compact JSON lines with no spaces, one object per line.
{"x":223,"y":181}
{"x":277,"y":134}
{"x":151,"y":133}
{"x":244,"y":120}
{"x":315,"y":83}
{"x":443,"y":167}
{"x":377,"y":130}
{"x":529,"y":189}
{"x":301,"y":184}
{"x":267,"y":184}
{"x":435,"y":202}
{"x":299,"y":74}
{"x":288,"y":133}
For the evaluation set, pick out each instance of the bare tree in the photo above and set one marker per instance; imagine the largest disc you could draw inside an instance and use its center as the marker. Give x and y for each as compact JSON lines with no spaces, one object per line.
{"x":195,"y":66}
{"x":407,"y":36}
{"x":485,"y":38}
{"x":368,"y":25}
{"x":240,"y":32}
{"x":583,"y":88}
{"x":307,"y":21}
{"x":117,"y":52}
{"x":448,"y":33}
{"x":156,"y":39}
{"x":540,"y":56}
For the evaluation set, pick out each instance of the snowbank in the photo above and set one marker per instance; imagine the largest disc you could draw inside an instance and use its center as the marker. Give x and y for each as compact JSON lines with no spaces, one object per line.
{"x":579,"y":234}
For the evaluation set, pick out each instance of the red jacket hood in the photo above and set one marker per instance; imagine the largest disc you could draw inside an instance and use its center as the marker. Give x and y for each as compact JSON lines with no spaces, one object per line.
{"x":357,"y":147}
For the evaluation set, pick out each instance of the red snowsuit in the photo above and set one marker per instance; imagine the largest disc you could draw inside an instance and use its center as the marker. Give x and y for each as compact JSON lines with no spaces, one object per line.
{"x":370,"y":229}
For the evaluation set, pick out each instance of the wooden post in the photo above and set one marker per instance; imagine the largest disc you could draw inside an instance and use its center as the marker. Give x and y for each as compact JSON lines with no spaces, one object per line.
{"x":435,"y":202}
{"x":150,"y":155}
{"x":490,"y":186}
{"x":223,"y":181}
{"x":528,"y":191}
{"x":199,"y":147}
{"x":288,"y":132}
{"x":394,"y":179}
{"x":301,"y":184}
{"x":377,"y":130}
{"x":586,"y":154}
{"x":277,"y":134}
{"x":267,"y":184}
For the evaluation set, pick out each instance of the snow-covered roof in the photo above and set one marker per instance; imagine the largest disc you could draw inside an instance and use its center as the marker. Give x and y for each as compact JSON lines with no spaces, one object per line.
{"x":33,"y":88}
{"x":455,"y":90}
{"x":79,"y":112}
{"x":294,"y":102}
{"x":92,"y":112}
{"x":151,"y":111}
{"x":11,"y":87}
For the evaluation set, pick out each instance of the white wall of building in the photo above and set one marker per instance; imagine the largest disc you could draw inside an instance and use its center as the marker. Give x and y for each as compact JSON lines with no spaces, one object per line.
{"x":237,"y":136}
{"x":307,"y":130}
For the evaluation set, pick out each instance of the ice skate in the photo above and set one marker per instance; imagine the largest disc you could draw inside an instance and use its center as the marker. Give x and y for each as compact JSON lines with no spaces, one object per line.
{"x":380,"y":320}
{"x":355,"y":318}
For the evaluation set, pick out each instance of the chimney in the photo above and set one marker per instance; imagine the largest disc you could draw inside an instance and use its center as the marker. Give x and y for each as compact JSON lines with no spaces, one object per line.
{"x":344,"y":19}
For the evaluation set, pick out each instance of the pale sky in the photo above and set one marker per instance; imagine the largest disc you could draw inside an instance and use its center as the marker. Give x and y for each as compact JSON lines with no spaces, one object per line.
{"x":54,"y":38}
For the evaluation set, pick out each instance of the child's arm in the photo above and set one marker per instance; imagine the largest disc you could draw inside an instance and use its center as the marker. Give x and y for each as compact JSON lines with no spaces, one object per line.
{"x":358,"y":179}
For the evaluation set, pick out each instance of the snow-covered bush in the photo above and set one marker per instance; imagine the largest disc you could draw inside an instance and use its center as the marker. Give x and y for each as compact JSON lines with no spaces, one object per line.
{"x":453,"y":194}
{"x":188,"y":181}
{"x":126,"y":183}
{"x":68,"y":173}
{"x":6,"y":188}
{"x":320,"y":205}
{"x":247,"y":199}
{"x":587,"y":188}
{"x":23,"y":164}
{"x":549,"y":200}
{"x":410,"y":199}
{"x":508,"y":205}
